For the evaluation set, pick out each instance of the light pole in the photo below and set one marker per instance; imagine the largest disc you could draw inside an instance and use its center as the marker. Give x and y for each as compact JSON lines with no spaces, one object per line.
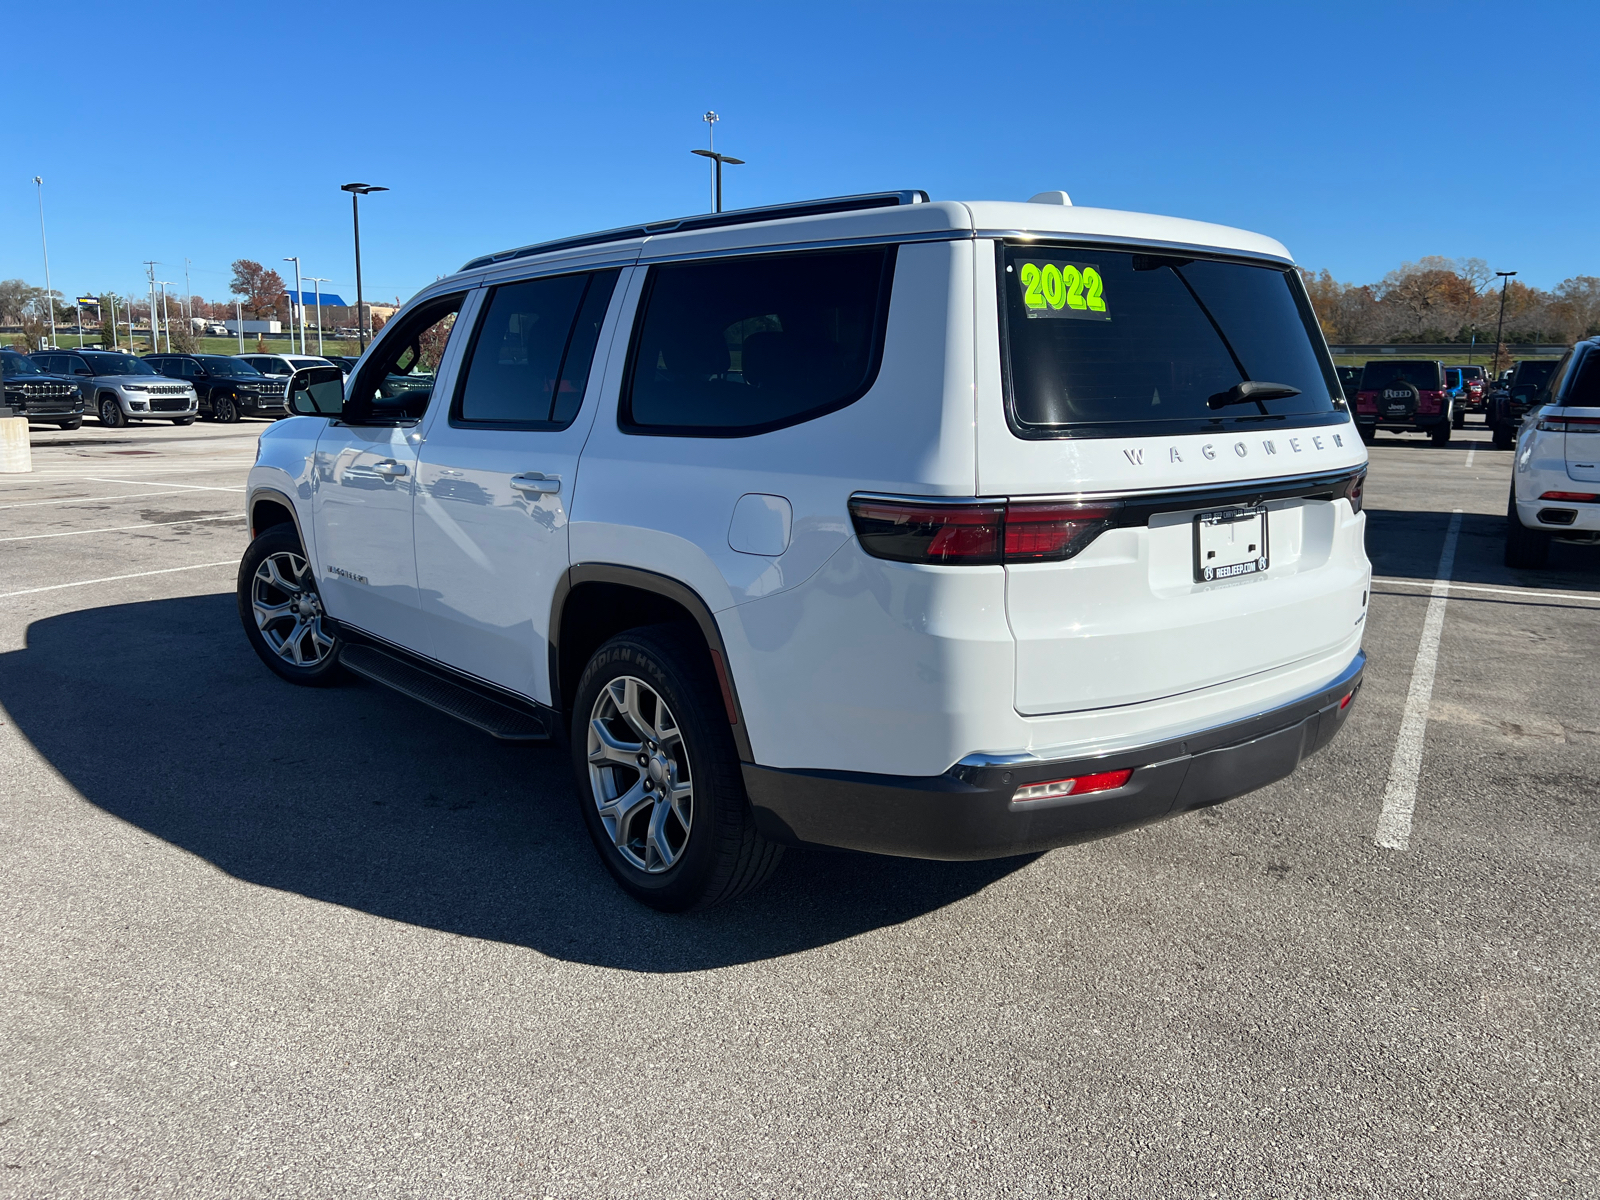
{"x":1505,"y":282}
{"x":150,"y":266}
{"x":719,"y":159}
{"x":166,"y":320}
{"x":238,"y":320}
{"x":357,"y":190}
{"x":316,"y":284}
{"x":711,"y":120}
{"x":116,"y":343}
{"x":299,"y":300}
{"x":49,"y":296}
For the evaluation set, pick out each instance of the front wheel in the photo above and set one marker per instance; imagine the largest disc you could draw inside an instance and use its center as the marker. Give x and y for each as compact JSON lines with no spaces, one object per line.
{"x":282,"y":612}
{"x":658,"y":774}
{"x":224,"y":409}
{"x":111,"y":415}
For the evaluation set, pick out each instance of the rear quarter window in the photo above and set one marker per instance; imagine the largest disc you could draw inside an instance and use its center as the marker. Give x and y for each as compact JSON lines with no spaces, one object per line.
{"x":1101,"y":343}
{"x":733,"y":347}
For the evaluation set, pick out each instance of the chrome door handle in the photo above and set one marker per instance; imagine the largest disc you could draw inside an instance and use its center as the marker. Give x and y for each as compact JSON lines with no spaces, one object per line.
{"x":536,"y":484}
{"x":389,"y":469}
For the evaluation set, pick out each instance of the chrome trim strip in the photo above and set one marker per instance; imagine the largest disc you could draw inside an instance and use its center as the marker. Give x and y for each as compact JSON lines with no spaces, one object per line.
{"x":1150,"y":495}
{"x":1031,"y":759}
{"x":1111,"y":240}
{"x":764,"y":249}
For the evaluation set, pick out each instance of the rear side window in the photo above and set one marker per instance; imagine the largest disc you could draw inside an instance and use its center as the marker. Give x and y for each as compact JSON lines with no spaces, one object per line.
{"x":1112,"y":343}
{"x":1584,"y":390}
{"x":733,"y":347}
{"x":531,"y":356}
{"x":1424,"y":376}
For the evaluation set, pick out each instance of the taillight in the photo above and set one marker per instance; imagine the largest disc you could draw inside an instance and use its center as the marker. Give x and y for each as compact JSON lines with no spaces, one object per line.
{"x":1104,"y":781}
{"x":1052,"y":532}
{"x":956,"y":535}
{"x":1574,"y":497}
{"x":1354,"y":489}
{"x":1570,"y":424}
{"x":977,"y":533}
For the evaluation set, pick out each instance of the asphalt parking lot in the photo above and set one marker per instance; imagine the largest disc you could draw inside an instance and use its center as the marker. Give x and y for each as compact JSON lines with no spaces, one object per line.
{"x":260,"y":941}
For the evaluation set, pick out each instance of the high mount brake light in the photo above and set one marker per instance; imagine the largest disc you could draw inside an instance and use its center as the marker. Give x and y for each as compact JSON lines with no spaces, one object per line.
{"x":1080,"y":785}
{"x":979,"y":533}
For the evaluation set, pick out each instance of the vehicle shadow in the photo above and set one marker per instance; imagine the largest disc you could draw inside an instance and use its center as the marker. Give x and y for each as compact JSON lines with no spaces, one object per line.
{"x":161,"y":715}
{"x":1406,"y":545}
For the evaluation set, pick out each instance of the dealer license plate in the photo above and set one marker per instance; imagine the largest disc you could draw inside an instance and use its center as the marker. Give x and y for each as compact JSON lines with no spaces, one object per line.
{"x":1230,"y":543}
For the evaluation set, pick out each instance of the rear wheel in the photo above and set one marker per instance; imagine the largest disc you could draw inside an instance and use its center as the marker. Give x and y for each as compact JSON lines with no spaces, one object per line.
{"x":282,"y":612}
{"x":1525,"y":548}
{"x":111,"y":415}
{"x":1440,"y":434}
{"x":1368,"y":433}
{"x":1503,"y":439}
{"x":1458,"y":419}
{"x":658,"y":774}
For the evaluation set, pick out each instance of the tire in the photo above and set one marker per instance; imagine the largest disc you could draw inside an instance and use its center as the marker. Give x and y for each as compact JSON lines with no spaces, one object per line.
{"x":223,"y":409}
{"x":1458,"y":419}
{"x":75,"y":423}
{"x":282,"y":612}
{"x":1440,"y":434}
{"x":183,"y":420}
{"x":1525,"y":548}
{"x":111,"y":414}
{"x":654,"y":688}
{"x":1369,"y":433}
{"x":1503,"y":438}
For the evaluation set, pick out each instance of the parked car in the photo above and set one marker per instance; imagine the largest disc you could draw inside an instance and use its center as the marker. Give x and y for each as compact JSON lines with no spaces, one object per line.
{"x":1404,"y":396}
{"x":939,"y":542}
{"x":41,"y":395}
{"x":1524,"y":384}
{"x":282,"y":365}
{"x":1476,"y":379}
{"x":228,"y":387}
{"x":119,"y":388}
{"x":1460,"y":389}
{"x":1349,"y":383}
{"x":1555,"y":484}
{"x":344,"y":362}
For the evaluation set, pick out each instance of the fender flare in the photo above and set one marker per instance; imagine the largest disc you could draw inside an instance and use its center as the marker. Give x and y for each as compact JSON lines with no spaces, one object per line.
{"x":279,"y":495}
{"x":671,"y":589}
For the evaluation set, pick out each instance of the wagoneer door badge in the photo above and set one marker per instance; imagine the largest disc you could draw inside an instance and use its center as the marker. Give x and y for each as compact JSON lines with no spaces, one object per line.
{"x":343,"y":574}
{"x":1264,"y":447}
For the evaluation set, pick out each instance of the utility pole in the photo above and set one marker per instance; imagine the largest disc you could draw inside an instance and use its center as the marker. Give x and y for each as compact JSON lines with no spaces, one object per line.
{"x":357,"y":190}
{"x":150,"y":266}
{"x":316,"y":283}
{"x":49,"y":296}
{"x":1505,"y":282}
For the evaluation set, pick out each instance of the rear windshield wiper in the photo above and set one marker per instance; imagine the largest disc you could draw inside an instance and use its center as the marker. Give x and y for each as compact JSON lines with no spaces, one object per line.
{"x":1252,"y":391}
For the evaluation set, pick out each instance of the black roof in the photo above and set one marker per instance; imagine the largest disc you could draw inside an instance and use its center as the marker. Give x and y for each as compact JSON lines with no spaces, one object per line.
{"x":737,"y":216}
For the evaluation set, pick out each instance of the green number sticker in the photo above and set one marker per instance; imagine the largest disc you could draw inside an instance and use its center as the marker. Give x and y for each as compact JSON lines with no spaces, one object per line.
{"x":1063,"y":289}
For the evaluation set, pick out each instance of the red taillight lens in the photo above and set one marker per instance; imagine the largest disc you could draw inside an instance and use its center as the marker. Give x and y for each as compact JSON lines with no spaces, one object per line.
{"x":1079,"y":785}
{"x":965,"y":535}
{"x":1052,"y":532}
{"x":1355,"y":490}
{"x":977,"y":533}
{"x":1575,"y":497}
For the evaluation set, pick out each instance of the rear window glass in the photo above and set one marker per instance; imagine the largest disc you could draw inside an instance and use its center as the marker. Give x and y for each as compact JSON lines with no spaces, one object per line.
{"x":1530,"y":371}
{"x":1424,"y":376}
{"x":741,"y":346}
{"x":1104,"y":343}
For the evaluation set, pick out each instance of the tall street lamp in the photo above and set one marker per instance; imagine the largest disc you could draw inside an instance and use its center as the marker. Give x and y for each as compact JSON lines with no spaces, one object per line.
{"x":1505,"y":282}
{"x":316,"y":283}
{"x":49,"y":296}
{"x":357,"y":190}
{"x":166,"y":321}
{"x":719,"y":159}
{"x":298,"y":300}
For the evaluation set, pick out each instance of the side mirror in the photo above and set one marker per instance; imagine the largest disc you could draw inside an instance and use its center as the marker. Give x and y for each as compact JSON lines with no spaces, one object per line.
{"x":1524,"y":392}
{"x":316,"y":392}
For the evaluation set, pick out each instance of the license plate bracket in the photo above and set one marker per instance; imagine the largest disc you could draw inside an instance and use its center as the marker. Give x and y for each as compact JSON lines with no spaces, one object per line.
{"x":1230,"y":543}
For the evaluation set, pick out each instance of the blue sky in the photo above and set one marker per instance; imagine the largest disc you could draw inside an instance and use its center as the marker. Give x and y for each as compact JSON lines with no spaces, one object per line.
{"x":1360,"y":135}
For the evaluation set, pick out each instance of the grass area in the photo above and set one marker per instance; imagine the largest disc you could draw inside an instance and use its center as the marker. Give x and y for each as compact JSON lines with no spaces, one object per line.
{"x":230,"y":345}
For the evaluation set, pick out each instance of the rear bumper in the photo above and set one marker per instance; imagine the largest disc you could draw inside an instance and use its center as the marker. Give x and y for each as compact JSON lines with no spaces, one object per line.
{"x":1416,"y":423}
{"x":968,"y":812}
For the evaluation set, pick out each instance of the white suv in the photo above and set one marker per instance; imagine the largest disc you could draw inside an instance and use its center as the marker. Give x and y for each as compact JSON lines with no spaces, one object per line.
{"x":1555,"y":487}
{"x":933,"y":529}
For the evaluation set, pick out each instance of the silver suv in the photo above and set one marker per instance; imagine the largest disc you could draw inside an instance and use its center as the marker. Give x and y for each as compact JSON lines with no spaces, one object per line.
{"x":120,"y":388}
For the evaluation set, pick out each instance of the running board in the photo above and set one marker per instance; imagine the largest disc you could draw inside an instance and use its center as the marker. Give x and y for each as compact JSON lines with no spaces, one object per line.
{"x":459,"y":699}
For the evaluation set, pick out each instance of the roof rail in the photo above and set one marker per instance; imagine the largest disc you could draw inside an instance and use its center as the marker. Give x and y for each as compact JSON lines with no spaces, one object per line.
{"x":736,"y":216}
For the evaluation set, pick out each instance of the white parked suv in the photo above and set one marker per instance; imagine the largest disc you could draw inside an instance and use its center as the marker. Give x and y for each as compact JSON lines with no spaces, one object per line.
{"x":948,"y":530}
{"x":1555,"y":486}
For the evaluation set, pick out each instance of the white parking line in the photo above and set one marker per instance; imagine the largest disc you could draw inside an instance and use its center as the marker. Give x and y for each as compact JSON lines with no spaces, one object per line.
{"x":1400,"y":792}
{"x":89,"y":499}
{"x":33,"y":537}
{"x":1470,"y":453}
{"x":56,"y":587}
{"x":1592,"y":597}
{"x":192,"y":487}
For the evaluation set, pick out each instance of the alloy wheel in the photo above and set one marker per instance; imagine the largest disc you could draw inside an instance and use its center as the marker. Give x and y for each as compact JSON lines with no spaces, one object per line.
{"x":288,"y":611}
{"x":639,"y":774}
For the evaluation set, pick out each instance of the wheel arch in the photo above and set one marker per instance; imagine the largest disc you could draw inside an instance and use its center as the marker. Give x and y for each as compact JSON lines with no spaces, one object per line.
{"x":269,"y":507}
{"x":597,"y":601}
